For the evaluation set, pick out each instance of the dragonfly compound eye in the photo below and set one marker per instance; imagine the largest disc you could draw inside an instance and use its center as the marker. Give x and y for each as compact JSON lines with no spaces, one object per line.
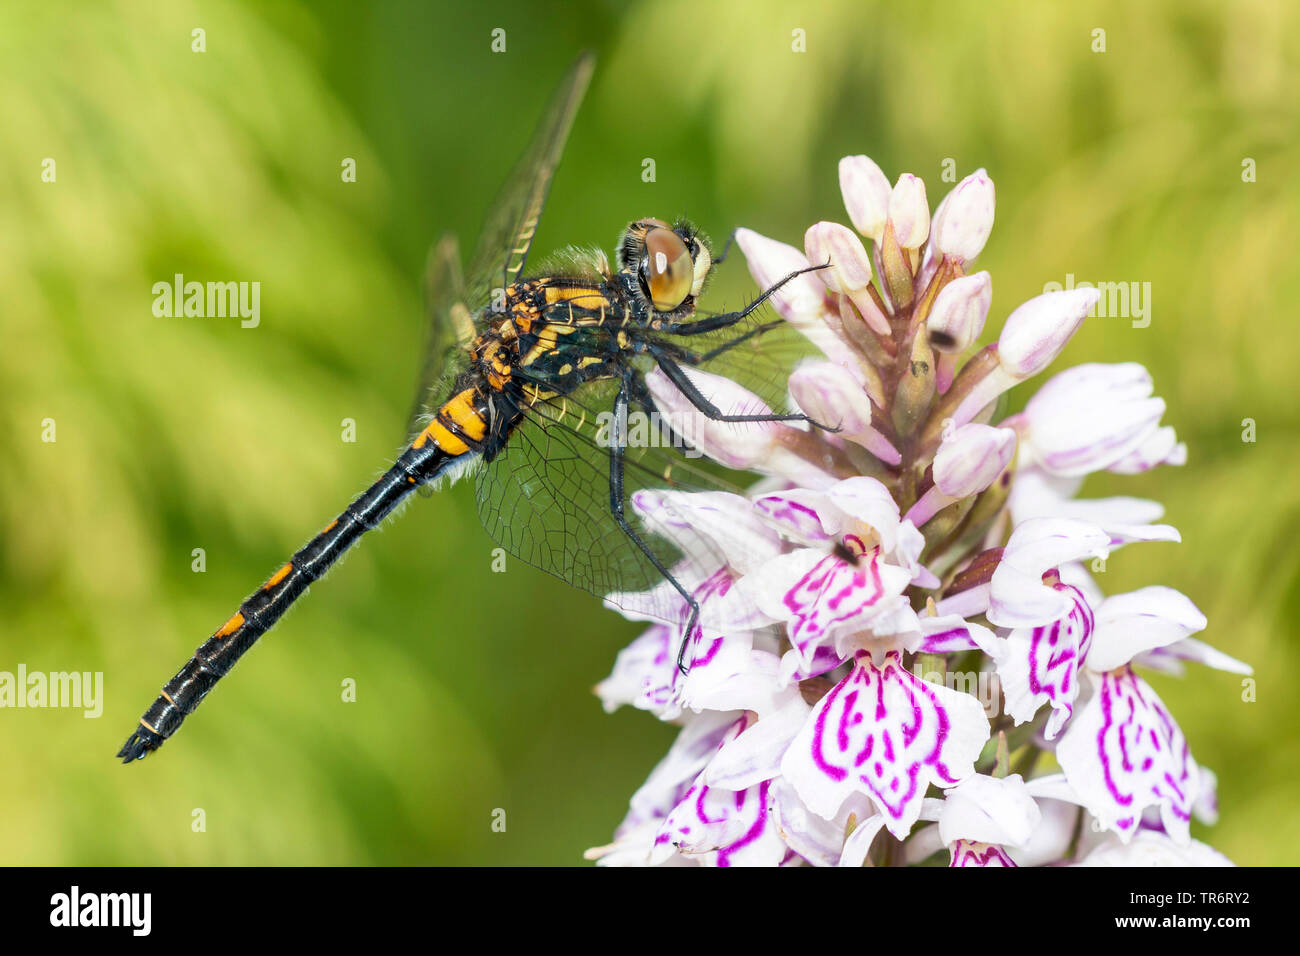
{"x":667,"y":270}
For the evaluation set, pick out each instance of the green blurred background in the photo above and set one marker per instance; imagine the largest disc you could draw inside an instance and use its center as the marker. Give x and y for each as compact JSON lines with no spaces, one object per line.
{"x":474,"y":687}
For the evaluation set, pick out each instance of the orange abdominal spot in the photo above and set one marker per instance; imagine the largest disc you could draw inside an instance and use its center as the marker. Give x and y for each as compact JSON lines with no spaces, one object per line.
{"x":278,"y":576}
{"x":231,"y":626}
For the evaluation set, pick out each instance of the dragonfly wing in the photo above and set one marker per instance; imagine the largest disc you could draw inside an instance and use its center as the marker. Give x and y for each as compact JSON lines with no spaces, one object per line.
{"x":450,"y":327}
{"x":454,"y":299}
{"x":508,"y":232}
{"x":546,"y":500}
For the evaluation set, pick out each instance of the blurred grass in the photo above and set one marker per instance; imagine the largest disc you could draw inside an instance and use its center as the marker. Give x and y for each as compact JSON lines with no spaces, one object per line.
{"x":473,"y":688}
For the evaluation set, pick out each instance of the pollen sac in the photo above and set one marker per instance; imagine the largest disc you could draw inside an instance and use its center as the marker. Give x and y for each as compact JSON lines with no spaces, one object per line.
{"x":667,"y":269}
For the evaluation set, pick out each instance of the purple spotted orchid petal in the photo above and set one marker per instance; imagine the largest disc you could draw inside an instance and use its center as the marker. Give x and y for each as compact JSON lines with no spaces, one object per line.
{"x":641,"y":674}
{"x":885,"y":733}
{"x":1130,"y":624}
{"x":719,"y":827}
{"x":722,"y":606}
{"x":866,"y":509}
{"x":1124,"y":752}
{"x":728,"y":673}
{"x":799,"y":515}
{"x":1036,"y":494}
{"x":1206,"y":808}
{"x":795,"y":668}
{"x":818,"y":595}
{"x":866,"y":513}
{"x":1041,"y":664}
{"x":968,"y":853}
{"x":695,"y":745}
{"x":951,"y":633}
{"x":1018,"y":597}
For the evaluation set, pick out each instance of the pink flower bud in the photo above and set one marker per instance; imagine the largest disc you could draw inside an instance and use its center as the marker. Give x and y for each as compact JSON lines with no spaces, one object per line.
{"x":1038,"y":330}
{"x":957,"y":317}
{"x":971,"y":459}
{"x":909,"y":212}
{"x":964,"y":219}
{"x":771,"y":261}
{"x":866,"y":195}
{"x":850,"y":269}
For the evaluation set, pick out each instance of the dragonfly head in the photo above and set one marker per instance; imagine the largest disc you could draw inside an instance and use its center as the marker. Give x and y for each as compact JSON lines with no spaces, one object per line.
{"x":670,"y":263}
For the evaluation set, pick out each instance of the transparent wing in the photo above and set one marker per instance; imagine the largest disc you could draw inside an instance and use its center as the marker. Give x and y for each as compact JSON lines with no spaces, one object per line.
{"x":508,"y":232}
{"x":546,"y":500}
{"x":450,"y":328}
{"x":759,"y":353}
{"x":454,"y":299}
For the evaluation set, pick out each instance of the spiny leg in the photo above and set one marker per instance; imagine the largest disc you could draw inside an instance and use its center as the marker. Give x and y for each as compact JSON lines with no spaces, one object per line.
{"x":617,"y":451}
{"x":677,"y":375}
{"x":726,"y":248}
{"x":725,"y":319}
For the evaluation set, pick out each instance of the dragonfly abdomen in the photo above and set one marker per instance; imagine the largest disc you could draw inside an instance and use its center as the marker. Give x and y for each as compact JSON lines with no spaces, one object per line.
{"x":258,"y":613}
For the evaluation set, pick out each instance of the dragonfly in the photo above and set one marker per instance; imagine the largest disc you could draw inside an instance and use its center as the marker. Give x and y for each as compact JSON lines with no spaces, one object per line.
{"x":517,"y":374}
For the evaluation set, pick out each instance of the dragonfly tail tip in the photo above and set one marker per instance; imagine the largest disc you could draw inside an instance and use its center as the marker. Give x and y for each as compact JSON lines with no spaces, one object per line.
{"x":139,"y":745}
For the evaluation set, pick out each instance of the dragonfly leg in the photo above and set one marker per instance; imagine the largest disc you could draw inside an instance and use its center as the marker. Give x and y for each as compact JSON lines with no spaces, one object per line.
{"x":617,"y":451}
{"x":724,"y":319}
{"x":721,"y":257}
{"x":677,"y":375}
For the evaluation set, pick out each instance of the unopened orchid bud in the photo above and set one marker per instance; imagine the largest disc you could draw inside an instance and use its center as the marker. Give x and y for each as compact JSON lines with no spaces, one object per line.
{"x":1036,"y":332}
{"x":850,"y":268}
{"x":1033,"y":336}
{"x":909,"y":212}
{"x":771,"y":261}
{"x":829,"y":394}
{"x":964,"y":219}
{"x":956,"y":320}
{"x":969,"y":460}
{"x":866,"y":195}
{"x":957,"y":317}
